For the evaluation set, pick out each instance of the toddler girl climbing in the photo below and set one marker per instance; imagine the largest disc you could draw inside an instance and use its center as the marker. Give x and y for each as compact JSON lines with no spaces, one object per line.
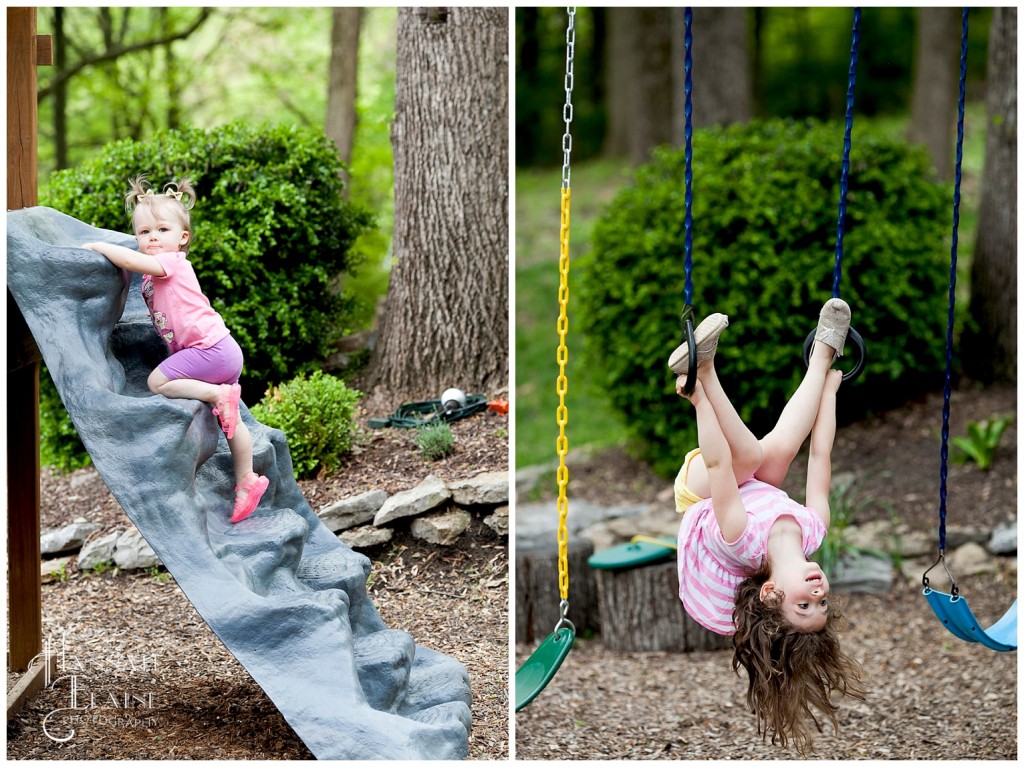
{"x":744,"y":544}
{"x":205,"y":361}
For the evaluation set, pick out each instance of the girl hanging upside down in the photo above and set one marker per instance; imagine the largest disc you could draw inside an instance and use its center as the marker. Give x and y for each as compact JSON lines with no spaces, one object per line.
{"x":744,"y":544}
{"x":205,"y":361}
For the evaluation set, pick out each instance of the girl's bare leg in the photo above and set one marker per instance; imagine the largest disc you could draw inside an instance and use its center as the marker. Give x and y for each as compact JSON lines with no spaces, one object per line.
{"x":781,"y":445}
{"x":819,"y":462}
{"x":715,"y":465}
{"x":743,"y":445}
{"x":183,"y":388}
{"x":190,"y":388}
{"x":241,"y":451}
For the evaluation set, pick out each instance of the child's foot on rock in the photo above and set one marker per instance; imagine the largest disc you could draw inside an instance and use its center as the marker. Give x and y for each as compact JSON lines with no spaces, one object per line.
{"x":705,"y":336}
{"x":248,"y":494}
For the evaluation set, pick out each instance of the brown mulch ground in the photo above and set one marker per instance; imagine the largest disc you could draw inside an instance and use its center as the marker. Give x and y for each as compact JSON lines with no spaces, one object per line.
{"x":931,"y":696}
{"x":197,"y":701}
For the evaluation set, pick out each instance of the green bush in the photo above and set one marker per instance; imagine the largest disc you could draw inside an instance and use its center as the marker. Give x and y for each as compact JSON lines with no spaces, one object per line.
{"x":59,"y":444}
{"x":272,"y":232}
{"x":764,"y":225}
{"x":317,"y":415}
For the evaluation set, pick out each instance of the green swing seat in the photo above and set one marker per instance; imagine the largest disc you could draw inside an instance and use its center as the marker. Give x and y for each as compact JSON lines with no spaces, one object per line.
{"x":539,"y":669}
{"x":637,"y":553}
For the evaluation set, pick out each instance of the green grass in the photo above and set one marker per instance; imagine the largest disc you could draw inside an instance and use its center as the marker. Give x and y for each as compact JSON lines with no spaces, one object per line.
{"x":591,"y":421}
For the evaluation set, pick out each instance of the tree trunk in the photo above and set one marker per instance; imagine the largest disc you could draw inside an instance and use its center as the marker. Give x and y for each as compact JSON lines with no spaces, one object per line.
{"x":722,"y":85}
{"x":446,"y":313}
{"x":537,"y":597}
{"x":174,"y":97}
{"x":60,"y":93}
{"x":641,"y":612}
{"x":528,"y":139}
{"x":757,"y":61}
{"x":989,"y":347}
{"x":936,"y":73}
{"x":639,"y":79}
{"x":343,"y":78}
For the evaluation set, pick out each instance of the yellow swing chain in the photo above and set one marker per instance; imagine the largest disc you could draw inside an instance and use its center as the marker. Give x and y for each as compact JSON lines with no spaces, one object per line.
{"x":562,"y":383}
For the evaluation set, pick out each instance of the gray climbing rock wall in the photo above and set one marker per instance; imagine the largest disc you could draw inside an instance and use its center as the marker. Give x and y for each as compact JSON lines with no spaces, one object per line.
{"x":286,"y":597}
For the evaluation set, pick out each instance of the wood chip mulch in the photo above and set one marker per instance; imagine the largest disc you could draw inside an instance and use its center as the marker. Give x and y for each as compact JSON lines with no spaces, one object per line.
{"x":931,"y":696}
{"x":136,"y":635}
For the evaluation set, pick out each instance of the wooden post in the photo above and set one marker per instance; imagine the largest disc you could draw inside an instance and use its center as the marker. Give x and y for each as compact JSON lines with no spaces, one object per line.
{"x":25,"y":51}
{"x":641,"y":612}
{"x":537,"y":597}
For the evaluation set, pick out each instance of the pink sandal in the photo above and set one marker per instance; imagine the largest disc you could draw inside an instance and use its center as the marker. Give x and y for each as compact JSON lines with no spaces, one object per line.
{"x":254,"y":486}
{"x":227,"y":408}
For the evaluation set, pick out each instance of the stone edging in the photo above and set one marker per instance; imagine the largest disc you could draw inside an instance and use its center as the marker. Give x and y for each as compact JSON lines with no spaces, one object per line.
{"x":436,"y":512}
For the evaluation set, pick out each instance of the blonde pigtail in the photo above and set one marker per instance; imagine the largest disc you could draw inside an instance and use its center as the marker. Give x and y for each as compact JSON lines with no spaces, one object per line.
{"x":138,"y":188}
{"x":182,"y":191}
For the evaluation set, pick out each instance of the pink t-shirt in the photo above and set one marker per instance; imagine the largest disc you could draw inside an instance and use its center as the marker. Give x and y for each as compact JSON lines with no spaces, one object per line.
{"x":181,"y":313}
{"x":710,"y":569}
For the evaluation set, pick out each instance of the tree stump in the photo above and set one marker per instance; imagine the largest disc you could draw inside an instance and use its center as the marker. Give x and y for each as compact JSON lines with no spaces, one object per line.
{"x":537,"y":597}
{"x":640,"y":611}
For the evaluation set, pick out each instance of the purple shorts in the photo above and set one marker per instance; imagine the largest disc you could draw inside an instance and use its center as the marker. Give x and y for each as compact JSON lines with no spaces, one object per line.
{"x":219,"y":364}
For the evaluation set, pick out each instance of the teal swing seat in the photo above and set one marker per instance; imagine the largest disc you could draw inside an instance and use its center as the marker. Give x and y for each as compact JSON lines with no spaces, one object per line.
{"x":637,"y":553}
{"x":955,"y":614}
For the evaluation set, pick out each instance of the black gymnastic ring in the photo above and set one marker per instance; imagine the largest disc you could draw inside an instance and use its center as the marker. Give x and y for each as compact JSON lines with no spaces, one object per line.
{"x":691,"y":368}
{"x":853,"y":338}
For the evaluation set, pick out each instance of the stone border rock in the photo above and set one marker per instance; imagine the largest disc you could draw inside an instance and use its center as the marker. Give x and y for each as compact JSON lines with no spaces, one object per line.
{"x":434,"y":512}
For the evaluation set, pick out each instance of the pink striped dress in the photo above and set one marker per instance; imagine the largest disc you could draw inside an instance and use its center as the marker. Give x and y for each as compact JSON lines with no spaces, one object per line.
{"x":710,"y":569}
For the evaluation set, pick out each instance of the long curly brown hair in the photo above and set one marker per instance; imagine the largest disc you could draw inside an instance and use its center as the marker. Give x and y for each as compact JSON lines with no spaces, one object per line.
{"x":791,"y":673}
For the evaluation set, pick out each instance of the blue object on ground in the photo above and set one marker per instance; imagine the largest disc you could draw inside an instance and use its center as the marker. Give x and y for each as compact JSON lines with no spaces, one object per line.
{"x":956,"y":616}
{"x":287,"y":598}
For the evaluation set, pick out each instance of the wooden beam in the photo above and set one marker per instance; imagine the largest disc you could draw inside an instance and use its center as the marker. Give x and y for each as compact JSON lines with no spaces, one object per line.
{"x":24,"y":585}
{"x":44,"y":51}
{"x":24,"y":589}
{"x":22,"y":113}
{"x":39,"y":674}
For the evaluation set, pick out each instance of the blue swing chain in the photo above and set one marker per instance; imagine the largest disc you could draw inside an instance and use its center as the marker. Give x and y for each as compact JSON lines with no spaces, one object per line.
{"x":844,"y":180}
{"x":944,"y":452}
{"x":853,"y":337}
{"x":687,"y":314}
{"x":688,"y":156}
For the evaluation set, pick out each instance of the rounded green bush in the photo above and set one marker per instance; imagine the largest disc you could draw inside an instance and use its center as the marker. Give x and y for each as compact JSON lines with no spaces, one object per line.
{"x":272,"y":234}
{"x":765,"y":207}
{"x":317,"y":415}
{"x":59,"y":443}
{"x":272,"y":231}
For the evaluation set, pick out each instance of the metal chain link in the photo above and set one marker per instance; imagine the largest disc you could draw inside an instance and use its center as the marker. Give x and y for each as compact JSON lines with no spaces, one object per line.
{"x":570,"y":55}
{"x":562,"y":383}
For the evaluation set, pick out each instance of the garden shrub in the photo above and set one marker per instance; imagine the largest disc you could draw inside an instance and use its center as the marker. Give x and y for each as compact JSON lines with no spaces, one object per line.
{"x":765,"y":207}
{"x":59,"y":444}
{"x":435,"y":441}
{"x":272,"y":232}
{"x":317,"y":415}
